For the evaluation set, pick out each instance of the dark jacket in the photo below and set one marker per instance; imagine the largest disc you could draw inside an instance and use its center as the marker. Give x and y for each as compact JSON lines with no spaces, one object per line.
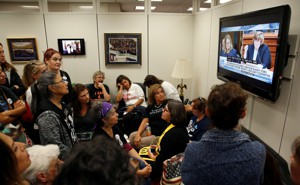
{"x":14,"y":79}
{"x":263,"y":56}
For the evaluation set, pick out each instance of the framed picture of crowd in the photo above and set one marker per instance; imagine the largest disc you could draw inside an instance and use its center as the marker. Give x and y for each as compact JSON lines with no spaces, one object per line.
{"x":22,"y":49}
{"x":123,"y":48}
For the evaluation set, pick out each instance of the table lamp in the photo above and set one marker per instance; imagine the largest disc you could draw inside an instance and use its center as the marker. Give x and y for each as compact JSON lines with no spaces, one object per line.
{"x":182,"y":70}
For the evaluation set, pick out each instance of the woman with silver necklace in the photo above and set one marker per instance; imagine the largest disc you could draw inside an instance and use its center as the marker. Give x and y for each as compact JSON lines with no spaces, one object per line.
{"x":156,"y":100}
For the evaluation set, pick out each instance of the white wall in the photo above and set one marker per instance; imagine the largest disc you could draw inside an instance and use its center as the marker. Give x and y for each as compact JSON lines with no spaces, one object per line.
{"x":22,"y":26}
{"x":168,"y":42}
{"x":275,"y":123}
{"x":80,"y":68}
{"x":123,"y":23}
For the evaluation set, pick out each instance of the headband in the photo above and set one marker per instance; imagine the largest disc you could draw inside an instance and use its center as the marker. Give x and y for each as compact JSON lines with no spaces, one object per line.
{"x":105,"y":109}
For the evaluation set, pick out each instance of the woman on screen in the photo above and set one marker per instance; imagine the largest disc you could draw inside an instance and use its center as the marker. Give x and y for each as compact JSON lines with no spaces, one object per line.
{"x":227,"y":47}
{"x":258,"y":51}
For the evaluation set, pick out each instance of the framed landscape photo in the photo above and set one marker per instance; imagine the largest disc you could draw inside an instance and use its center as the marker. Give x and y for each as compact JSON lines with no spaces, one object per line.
{"x":123,"y":48}
{"x":22,"y":49}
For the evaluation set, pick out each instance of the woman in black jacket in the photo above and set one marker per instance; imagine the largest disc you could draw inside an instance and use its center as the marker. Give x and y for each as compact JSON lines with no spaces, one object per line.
{"x":13,"y":80}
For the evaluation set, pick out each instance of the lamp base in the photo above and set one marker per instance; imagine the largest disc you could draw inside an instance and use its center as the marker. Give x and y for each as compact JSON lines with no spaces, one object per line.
{"x":181,"y":86}
{"x":181,"y":97}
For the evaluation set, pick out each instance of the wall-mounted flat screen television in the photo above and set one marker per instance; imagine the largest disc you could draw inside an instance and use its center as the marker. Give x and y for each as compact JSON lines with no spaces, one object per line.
{"x":71,"y":46}
{"x":253,"y":50}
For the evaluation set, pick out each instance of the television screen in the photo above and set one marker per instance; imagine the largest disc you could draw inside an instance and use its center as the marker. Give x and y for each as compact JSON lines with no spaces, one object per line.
{"x":71,"y":46}
{"x":253,"y":50}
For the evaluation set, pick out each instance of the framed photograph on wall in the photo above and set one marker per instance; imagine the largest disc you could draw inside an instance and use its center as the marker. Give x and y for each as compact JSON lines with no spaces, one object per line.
{"x":22,"y":49}
{"x":123,"y":48}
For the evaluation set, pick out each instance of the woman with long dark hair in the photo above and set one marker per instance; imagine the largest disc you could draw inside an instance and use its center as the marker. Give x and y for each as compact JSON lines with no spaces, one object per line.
{"x":13,"y":80}
{"x":14,"y":160}
{"x":83,"y":120}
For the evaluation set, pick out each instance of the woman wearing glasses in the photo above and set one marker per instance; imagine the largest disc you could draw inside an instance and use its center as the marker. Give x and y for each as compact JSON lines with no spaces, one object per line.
{"x":172,"y":141}
{"x":199,"y":123}
{"x":53,"y":61}
{"x":53,"y":118}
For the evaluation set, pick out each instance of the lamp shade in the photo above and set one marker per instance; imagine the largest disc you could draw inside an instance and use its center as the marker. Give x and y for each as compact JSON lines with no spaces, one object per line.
{"x":182,"y":69}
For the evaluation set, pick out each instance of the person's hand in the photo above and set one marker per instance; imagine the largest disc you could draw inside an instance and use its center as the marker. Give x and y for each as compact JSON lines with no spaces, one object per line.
{"x":150,"y":154}
{"x":130,"y":108}
{"x":145,"y":172}
{"x":153,"y":146}
{"x":120,"y":87}
{"x":100,"y":85}
{"x":19,"y":103}
{"x":16,"y":86}
{"x":137,"y":141}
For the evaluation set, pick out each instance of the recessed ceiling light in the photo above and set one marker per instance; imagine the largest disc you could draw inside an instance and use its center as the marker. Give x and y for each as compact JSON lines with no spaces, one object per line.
{"x":202,"y":9}
{"x":30,"y":7}
{"x":86,"y":7}
{"x":151,"y":0}
{"x":224,"y":1}
{"x":139,"y":7}
{"x":143,"y":8}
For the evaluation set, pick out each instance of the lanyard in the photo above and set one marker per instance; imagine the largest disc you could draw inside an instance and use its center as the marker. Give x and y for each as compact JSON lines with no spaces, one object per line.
{"x":162,"y":135}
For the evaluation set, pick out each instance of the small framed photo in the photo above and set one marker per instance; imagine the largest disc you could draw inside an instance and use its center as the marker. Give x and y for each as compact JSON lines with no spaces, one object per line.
{"x":22,"y":50}
{"x":123,"y":48}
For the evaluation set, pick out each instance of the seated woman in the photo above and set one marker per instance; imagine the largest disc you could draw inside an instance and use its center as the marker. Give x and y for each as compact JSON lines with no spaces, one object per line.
{"x":98,"y":90}
{"x":171,"y":142}
{"x":53,"y":117}
{"x":44,"y":164}
{"x":224,"y":155}
{"x":107,"y":118}
{"x":83,"y":121}
{"x":229,"y":50}
{"x":14,"y":160}
{"x":199,"y":123}
{"x":134,"y":98}
{"x":169,"y":89}
{"x":157,"y":101}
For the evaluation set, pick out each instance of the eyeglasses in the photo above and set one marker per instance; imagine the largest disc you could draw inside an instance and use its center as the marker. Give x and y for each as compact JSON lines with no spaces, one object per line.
{"x":61,"y":81}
